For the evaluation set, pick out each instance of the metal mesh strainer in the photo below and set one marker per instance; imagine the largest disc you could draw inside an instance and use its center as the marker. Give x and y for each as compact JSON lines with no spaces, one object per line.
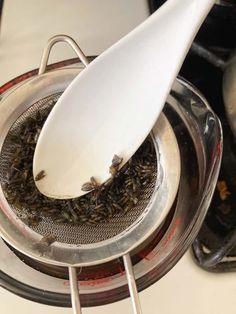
{"x":83,"y":245}
{"x":70,"y":234}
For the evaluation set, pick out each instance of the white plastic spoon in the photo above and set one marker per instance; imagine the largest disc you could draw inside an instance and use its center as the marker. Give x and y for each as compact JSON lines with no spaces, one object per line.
{"x":113,"y":104}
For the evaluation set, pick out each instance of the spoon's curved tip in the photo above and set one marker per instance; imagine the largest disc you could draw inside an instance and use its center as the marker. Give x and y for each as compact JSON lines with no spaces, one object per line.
{"x":51,"y":183}
{"x":45,"y":187}
{"x":65,"y":180}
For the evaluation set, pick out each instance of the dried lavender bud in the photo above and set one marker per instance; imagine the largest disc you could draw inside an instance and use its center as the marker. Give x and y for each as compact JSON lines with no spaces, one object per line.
{"x":91,"y":185}
{"x":87,"y":187}
{"x":114,"y":168}
{"x":32,"y":221}
{"x":40,"y":175}
{"x":48,"y":240}
{"x":116,"y":161}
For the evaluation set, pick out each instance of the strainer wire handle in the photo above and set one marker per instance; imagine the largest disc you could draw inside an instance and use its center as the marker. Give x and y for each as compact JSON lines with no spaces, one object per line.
{"x":74,"y":290}
{"x":132,"y":284}
{"x":126,"y":258}
{"x":56,"y":39}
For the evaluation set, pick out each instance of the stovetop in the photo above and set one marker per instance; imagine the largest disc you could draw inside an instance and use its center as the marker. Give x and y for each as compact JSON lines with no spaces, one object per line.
{"x":214,"y":249}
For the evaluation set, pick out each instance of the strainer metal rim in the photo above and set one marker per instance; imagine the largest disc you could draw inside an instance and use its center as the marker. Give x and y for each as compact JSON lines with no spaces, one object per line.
{"x":79,"y":255}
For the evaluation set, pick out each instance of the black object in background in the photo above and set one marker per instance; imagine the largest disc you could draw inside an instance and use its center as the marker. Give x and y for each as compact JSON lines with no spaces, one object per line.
{"x":155,"y":4}
{"x":204,"y":68}
{"x":1,"y":6}
{"x":219,"y":28}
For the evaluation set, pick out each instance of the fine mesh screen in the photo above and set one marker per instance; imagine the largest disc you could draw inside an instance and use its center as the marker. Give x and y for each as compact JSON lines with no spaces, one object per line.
{"x":66,"y":233}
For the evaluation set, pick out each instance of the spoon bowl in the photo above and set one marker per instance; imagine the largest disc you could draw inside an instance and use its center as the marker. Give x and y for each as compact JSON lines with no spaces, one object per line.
{"x":111,"y":112}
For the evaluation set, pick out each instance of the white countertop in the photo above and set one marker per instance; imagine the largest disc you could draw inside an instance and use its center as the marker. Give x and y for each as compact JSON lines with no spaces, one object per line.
{"x":94,"y":24}
{"x":185,"y":289}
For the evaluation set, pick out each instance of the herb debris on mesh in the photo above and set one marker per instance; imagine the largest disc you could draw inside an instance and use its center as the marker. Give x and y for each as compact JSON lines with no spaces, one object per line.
{"x":118,"y":195}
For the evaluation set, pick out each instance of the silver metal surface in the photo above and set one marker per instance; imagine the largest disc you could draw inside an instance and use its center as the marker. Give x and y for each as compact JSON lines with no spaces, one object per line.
{"x":229,"y":92}
{"x":56,"y":39}
{"x":13,"y":111}
{"x":132,"y":284}
{"x":145,"y":224}
{"x":74,"y":291}
{"x":199,"y":136}
{"x":66,"y":233}
{"x":25,"y":239}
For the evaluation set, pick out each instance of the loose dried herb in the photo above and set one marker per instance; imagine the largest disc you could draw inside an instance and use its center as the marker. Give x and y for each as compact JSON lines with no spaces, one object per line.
{"x":115,"y":164}
{"x":40,"y":175}
{"x":118,"y":195}
{"x":48,"y":240}
{"x":91,"y":185}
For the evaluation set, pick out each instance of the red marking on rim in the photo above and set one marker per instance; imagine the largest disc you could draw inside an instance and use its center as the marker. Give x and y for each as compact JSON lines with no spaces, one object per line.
{"x":171,"y":233}
{"x":34,"y":72}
